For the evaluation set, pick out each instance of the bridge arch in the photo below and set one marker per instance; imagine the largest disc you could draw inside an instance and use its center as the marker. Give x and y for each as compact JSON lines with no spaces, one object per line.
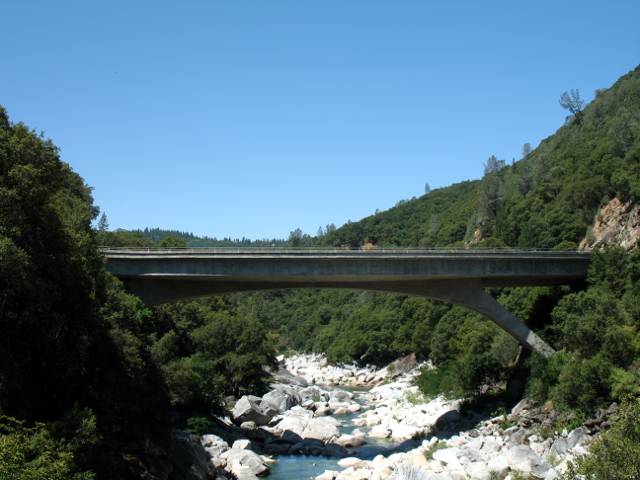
{"x":469,"y":294}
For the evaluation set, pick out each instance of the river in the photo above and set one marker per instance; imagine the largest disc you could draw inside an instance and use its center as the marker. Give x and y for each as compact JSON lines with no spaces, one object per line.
{"x":478,"y":445}
{"x":299,"y":467}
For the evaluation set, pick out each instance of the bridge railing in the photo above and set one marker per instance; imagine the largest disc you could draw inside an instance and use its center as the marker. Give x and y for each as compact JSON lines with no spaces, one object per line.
{"x":338,"y":250}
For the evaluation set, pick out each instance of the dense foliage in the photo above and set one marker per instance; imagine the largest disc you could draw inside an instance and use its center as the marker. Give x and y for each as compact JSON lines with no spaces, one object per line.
{"x":614,"y":455}
{"x":208,"y":350}
{"x":34,"y":453}
{"x":175,"y":238}
{"x":439,"y":218}
{"x":65,"y":341}
{"x":598,"y":330}
{"x":365,"y":326}
{"x":90,"y":378}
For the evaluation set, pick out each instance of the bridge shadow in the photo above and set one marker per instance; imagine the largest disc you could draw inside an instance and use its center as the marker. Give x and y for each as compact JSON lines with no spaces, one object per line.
{"x":473,"y":411}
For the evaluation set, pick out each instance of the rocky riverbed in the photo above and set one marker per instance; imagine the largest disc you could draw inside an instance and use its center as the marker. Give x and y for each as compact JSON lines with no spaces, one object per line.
{"x":348,"y":423}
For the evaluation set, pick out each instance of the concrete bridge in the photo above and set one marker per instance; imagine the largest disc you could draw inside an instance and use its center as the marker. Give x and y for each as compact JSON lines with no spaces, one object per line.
{"x":455,"y":276}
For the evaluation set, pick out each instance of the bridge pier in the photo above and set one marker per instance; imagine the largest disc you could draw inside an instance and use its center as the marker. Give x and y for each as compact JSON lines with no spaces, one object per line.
{"x":473,"y":296}
{"x":480,"y":301}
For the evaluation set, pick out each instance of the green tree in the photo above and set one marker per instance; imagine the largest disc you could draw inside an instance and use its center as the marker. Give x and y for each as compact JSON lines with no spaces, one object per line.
{"x":295,"y":238}
{"x":71,"y":337}
{"x":103,"y":223}
{"x":207,"y":352}
{"x":173,"y":242}
{"x":572,"y":102}
{"x":33,"y":453}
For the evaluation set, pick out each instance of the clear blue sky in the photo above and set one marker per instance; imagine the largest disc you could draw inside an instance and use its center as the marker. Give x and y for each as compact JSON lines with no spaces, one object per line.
{"x":252,"y":118}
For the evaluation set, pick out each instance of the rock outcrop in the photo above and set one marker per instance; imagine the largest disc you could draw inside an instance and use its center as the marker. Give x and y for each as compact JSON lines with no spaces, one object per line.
{"x":302,"y":423}
{"x":190,"y":459}
{"x":617,"y":224}
{"x":281,"y":398}
{"x":253,"y":409}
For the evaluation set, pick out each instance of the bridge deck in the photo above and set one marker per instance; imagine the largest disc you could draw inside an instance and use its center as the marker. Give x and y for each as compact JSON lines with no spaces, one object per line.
{"x":491,"y":267}
{"x":333,"y":252}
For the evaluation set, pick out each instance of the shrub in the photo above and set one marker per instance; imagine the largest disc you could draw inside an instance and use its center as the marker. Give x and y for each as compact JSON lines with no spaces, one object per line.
{"x":439,"y":381}
{"x":33,"y":453}
{"x":414,"y":398}
{"x":583,"y":384}
{"x":199,"y":425}
{"x":615,"y":455}
{"x":625,"y":383}
{"x":439,"y":445}
{"x":544,"y":374}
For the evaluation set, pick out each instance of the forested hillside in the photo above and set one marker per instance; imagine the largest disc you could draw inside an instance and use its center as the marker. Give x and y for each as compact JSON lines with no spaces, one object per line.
{"x":173,"y":238}
{"x":547,"y":199}
{"x":442,"y":217}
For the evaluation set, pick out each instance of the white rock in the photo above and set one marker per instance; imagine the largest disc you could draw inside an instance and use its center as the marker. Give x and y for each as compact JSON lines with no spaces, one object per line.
{"x":402,"y":431}
{"x":552,"y":474}
{"x":323,"y":411}
{"x":327,"y":475}
{"x":523,"y":459}
{"x":521,"y":406}
{"x":577,"y":436}
{"x":281,"y":399}
{"x":379,"y":431}
{"x":215,"y":447}
{"x":240,"y":462}
{"x":351,"y":462}
{"x":302,"y":424}
{"x":478,"y":471}
{"x":350,"y":441}
{"x":248,"y":409}
{"x":242,"y":444}
{"x":448,"y":456}
{"x":559,"y":447}
{"x":499,"y":464}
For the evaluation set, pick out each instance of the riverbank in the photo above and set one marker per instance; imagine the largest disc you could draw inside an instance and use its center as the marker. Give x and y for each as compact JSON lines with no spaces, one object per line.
{"x":349,"y":423}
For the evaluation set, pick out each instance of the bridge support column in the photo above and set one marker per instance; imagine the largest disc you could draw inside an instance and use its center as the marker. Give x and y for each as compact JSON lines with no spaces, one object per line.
{"x":480,"y":301}
{"x":473,"y":296}
{"x":468,"y":294}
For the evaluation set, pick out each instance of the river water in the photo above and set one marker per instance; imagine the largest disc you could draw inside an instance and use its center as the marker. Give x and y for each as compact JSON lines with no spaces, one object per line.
{"x":304,"y":467}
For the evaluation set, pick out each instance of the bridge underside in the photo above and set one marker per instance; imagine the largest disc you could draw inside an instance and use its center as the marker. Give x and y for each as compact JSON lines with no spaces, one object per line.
{"x":468,"y":293}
